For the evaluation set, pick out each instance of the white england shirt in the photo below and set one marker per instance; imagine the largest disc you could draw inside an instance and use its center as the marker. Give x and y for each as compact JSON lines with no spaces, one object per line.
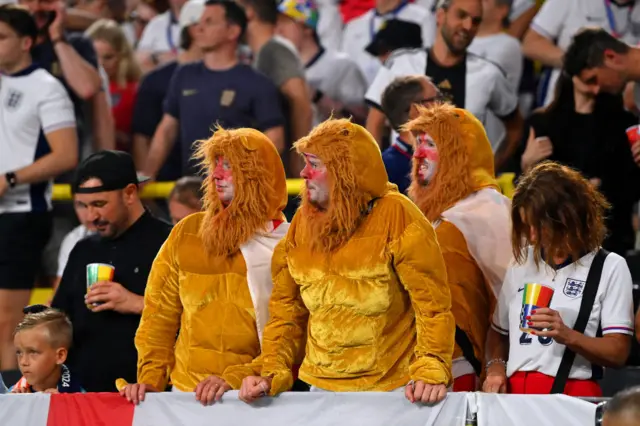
{"x":162,"y":34}
{"x":359,"y":32}
{"x":336,"y":75}
{"x":612,"y":310}
{"x":33,"y":103}
{"x":486,"y":85}
{"x":559,"y":20}
{"x":505,"y":51}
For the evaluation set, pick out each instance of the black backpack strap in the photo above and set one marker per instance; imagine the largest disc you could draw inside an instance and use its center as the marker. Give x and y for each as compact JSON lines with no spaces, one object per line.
{"x":463,"y":341}
{"x":586,"y":306}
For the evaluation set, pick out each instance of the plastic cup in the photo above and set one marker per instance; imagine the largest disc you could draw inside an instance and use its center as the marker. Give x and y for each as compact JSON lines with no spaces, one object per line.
{"x":633,"y":134}
{"x":534,"y":296}
{"x":97,"y":272}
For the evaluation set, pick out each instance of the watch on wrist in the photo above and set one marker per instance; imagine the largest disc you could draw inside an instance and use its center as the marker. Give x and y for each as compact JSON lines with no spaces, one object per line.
{"x":11,"y":178}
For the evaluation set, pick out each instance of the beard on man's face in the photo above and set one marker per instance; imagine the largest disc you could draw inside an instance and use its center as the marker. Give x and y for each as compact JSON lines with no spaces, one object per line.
{"x":43,"y":20}
{"x":457,"y":42}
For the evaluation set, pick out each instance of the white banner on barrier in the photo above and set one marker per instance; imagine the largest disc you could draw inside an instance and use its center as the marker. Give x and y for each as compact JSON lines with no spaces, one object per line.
{"x":533,"y":410}
{"x":295,"y":408}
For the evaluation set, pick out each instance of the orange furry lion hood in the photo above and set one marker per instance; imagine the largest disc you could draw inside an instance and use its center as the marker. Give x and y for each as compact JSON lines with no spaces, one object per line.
{"x":356,"y":174}
{"x":466,"y":159}
{"x":260,"y":188}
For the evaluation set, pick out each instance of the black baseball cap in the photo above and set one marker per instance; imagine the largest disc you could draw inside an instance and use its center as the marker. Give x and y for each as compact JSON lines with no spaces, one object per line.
{"x":395,"y":34}
{"x":114,"y":168}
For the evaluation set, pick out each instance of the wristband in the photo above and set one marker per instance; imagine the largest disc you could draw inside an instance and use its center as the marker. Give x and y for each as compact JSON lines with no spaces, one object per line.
{"x":12,"y":180}
{"x":495,"y":361}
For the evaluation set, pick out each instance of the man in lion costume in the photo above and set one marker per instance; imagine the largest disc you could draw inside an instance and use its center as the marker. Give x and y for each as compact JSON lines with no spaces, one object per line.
{"x":454,"y":185}
{"x":359,"y":283}
{"x":211,"y":280}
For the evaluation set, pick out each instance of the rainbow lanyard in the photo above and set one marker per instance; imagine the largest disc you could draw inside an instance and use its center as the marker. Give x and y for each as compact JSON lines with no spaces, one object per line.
{"x":612,"y":19}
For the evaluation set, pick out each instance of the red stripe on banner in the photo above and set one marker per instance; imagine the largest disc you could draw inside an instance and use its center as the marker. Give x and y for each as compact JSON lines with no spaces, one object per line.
{"x":95,"y":409}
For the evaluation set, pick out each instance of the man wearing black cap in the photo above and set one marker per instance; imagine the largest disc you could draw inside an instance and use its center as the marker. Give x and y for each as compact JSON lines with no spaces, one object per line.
{"x":106,"y":317}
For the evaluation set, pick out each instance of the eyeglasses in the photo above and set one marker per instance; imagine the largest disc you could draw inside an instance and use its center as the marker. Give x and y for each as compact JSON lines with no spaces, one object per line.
{"x":428,"y":101}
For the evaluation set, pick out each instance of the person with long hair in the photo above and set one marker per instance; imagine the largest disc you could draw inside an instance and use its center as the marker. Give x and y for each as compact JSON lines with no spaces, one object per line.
{"x":453,"y":183}
{"x":585,"y":129}
{"x":115,"y":55}
{"x":211,"y":281}
{"x":361,"y":274}
{"x":558,"y":229}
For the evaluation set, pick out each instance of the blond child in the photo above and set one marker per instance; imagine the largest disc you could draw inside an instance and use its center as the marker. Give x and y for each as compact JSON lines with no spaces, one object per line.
{"x":42,"y":342}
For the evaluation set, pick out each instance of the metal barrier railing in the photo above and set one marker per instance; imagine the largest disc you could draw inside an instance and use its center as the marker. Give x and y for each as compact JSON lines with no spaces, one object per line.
{"x":153,"y":190}
{"x":62,"y":192}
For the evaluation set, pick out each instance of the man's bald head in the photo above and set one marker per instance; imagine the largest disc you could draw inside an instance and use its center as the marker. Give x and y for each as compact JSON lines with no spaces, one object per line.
{"x":623,"y":409}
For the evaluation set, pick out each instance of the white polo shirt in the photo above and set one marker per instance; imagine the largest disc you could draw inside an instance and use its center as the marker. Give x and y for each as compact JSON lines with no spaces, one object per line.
{"x":33,"y":103}
{"x":486,"y":86}
{"x":559,"y":20}
{"x":505,"y":51}
{"x":336,"y":75}
{"x":359,"y":32}
{"x":613,"y":310}
{"x":162,"y":34}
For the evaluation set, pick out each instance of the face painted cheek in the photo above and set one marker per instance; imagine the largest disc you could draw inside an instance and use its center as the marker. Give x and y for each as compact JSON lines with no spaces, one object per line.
{"x":431,"y":154}
{"x":222,"y":173}
{"x":420,"y":152}
{"x":317,"y":175}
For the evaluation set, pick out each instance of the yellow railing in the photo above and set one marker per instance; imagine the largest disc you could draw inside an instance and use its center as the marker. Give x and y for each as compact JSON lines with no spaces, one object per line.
{"x":62,"y":192}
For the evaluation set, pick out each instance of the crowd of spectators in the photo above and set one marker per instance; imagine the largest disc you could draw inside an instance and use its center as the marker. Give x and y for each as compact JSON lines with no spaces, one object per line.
{"x":149,"y":78}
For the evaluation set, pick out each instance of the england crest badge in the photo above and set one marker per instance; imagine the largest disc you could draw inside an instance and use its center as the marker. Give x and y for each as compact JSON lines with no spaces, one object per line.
{"x":573,"y":288}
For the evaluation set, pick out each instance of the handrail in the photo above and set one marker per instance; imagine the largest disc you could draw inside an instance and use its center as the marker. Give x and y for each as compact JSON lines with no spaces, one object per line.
{"x":62,"y":192}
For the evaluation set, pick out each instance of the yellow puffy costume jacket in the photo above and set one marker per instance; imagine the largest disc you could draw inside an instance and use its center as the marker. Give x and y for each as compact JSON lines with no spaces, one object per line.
{"x":198,"y":289}
{"x":470,"y":217}
{"x":376,"y":308}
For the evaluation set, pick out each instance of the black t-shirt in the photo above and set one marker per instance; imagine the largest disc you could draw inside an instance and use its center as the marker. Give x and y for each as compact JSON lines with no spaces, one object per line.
{"x":450,"y":80}
{"x":148,"y":112}
{"x":103,"y":347}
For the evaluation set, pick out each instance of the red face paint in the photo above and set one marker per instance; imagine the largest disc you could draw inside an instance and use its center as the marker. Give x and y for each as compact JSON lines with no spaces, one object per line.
{"x":316,"y":179}
{"x":223,"y":179}
{"x":314,"y":170}
{"x":427,"y":157}
{"x":426,"y":148}
{"x":222,"y":170}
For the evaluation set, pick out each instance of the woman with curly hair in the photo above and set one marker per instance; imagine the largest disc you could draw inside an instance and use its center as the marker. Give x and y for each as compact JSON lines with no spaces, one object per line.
{"x":558,"y":229}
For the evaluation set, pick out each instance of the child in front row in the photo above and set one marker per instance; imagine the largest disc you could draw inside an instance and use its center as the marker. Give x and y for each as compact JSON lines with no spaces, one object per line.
{"x":42,"y":341}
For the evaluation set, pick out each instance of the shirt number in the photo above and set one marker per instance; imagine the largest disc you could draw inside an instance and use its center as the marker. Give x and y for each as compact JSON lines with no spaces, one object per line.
{"x":525,"y":339}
